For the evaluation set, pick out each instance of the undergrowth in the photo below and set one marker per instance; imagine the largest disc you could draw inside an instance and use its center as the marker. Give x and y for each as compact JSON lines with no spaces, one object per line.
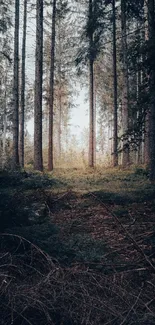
{"x":64,"y":260}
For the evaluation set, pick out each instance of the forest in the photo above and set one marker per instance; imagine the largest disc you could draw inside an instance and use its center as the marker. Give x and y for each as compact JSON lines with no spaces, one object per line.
{"x":77,"y":162}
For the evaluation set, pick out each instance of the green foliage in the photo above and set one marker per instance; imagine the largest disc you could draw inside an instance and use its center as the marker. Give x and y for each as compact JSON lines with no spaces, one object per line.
{"x":141,"y":171}
{"x":10,"y":179}
{"x":94,"y":26}
{"x":11,"y":212}
{"x":87,"y":249}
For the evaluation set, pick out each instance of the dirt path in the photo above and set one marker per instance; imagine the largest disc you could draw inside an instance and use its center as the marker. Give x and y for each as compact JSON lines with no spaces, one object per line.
{"x":83,"y":215}
{"x":100,"y":253}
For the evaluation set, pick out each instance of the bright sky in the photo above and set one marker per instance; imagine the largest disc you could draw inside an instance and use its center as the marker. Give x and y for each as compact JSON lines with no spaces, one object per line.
{"x":79,"y":116}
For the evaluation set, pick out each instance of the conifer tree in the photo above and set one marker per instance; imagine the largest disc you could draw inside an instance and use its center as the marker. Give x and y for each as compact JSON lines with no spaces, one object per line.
{"x":15,"y":154}
{"x":38,"y":160}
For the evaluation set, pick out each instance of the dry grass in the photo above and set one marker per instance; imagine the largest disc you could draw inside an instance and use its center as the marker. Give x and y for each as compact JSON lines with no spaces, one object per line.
{"x":36,"y":290}
{"x":110,"y":276}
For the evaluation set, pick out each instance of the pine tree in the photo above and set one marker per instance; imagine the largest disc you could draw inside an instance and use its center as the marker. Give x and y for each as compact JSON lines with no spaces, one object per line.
{"x":91,"y":88}
{"x":15,"y":155}
{"x":51,"y":96}
{"x":151,"y":30}
{"x":22,"y":102}
{"x":115,"y":135}
{"x":125,"y":108}
{"x":38,"y":160}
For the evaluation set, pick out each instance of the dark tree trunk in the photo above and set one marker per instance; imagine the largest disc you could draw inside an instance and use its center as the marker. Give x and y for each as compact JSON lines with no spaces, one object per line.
{"x":15,"y":154}
{"x":139,"y":83}
{"x":125,"y":154}
{"x":59,"y":94}
{"x":59,"y":123}
{"x":51,"y":95}
{"x":38,"y":160}
{"x":91,"y":90}
{"x":146,"y":134}
{"x":5,"y":119}
{"x":115,"y":142}
{"x":151,"y":30}
{"x":146,"y":140}
{"x":21,"y":140}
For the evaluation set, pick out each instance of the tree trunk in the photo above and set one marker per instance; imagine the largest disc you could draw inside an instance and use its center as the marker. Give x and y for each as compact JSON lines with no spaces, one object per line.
{"x":151,"y":29}
{"x":4,"y":121}
{"x":147,"y":117}
{"x":139,"y":114}
{"x":115,"y":142}
{"x":125,"y":154}
{"x":95,"y":110}
{"x":51,"y":95}
{"x":59,"y":96}
{"x":38,"y":160}
{"x":59,"y":125}
{"x":139,"y":83}
{"x":21,"y":140}
{"x":91,"y":92}
{"x":15,"y":155}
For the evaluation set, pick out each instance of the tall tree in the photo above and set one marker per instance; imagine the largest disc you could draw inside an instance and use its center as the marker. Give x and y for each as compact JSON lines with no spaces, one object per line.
{"x":51,"y":96}
{"x":91,"y":88}
{"x":6,"y":107}
{"x":38,"y":160}
{"x":151,"y":30}
{"x":15,"y":155}
{"x":22,"y":103}
{"x":92,"y":32}
{"x":146,"y":135}
{"x":115,"y":142}
{"x":125,"y":112}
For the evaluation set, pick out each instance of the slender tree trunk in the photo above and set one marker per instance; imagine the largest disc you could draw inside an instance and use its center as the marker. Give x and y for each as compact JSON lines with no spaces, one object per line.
{"x":59,"y":125}
{"x":91,"y":115}
{"x":38,"y":160}
{"x":147,"y":117}
{"x":138,"y":83}
{"x":139,"y":114}
{"x":59,"y":96}
{"x":91,"y":92}
{"x":4,"y":121}
{"x":15,"y":155}
{"x":125,"y":154}
{"x":21,"y":140}
{"x":151,"y":27}
{"x":115,"y":142}
{"x":51,"y":96}
{"x":95,"y":110}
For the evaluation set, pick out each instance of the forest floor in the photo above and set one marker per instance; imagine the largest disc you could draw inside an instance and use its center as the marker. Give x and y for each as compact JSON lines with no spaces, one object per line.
{"x":77,"y":247}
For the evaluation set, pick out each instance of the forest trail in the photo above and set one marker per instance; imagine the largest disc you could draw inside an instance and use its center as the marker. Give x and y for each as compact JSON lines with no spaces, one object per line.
{"x":98,"y":232}
{"x":87,"y":215}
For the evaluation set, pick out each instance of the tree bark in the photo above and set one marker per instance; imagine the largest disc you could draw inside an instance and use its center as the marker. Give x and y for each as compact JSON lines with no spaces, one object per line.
{"x":91,"y":91}
{"x":115,"y":141}
{"x":59,"y":95}
{"x":147,"y":116}
{"x":51,"y":96}
{"x":5,"y":120}
{"x":22,"y":112}
{"x":151,"y":30}
{"x":15,"y":155}
{"x":38,"y":160}
{"x":125,"y":153}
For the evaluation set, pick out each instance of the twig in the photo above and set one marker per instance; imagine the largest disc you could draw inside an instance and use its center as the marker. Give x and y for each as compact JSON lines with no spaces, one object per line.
{"x":123,"y":322}
{"x":126,"y":231}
